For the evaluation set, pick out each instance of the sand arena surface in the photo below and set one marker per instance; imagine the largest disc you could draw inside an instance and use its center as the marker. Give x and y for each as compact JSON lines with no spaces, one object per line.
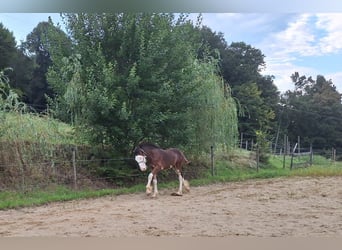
{"x":261,"y":208}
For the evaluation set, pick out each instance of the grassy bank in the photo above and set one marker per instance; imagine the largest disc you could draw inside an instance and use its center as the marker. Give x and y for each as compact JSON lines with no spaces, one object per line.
{"x":34,"y":128}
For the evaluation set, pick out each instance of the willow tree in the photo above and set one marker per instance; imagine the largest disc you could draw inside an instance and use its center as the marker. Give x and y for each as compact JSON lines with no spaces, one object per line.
{"x":214,"y":112}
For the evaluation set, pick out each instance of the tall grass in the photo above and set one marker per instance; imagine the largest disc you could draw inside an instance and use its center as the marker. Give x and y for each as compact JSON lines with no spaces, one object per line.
{"x":32,"y":127}
{"x":29,"y":144}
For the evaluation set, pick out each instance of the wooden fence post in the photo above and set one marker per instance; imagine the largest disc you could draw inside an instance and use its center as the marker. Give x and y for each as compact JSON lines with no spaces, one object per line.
{"x":285,"y":150}
{"x":333,"y":156}
{"x":212,"y":159}
{"x":292,"y":155}
{"x":74,"y":166}
{"x":258,"y":156}
{"x":241,"y":139}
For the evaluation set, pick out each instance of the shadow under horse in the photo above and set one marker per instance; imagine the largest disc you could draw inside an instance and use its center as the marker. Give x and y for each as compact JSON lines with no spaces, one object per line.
{"x":159,"y":159}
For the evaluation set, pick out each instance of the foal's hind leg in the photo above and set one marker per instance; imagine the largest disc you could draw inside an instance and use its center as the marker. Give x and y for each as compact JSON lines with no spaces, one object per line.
{"x":186,"y":185}
{"x":181,"y":182}
{"x":155,"y":189}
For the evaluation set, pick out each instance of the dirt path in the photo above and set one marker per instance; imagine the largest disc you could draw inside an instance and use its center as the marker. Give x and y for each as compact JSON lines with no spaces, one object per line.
{"x":276,"y":207}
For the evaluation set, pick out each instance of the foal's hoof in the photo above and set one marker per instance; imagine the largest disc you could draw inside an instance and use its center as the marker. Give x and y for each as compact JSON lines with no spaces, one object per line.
{"x":176,"y":194}
{"x":148,"y":190}
{"x":187,"y":185}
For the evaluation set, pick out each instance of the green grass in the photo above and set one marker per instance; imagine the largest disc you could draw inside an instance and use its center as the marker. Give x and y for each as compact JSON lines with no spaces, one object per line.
{"x":10,"y":200}
{"x":227,"y":171}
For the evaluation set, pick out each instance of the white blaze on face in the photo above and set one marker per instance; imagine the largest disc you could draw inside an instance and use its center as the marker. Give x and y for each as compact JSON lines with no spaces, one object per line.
{"x":141,"y":160}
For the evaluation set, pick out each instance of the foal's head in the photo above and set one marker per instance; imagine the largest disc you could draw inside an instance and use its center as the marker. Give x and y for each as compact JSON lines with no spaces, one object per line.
{"x":140,"y":158}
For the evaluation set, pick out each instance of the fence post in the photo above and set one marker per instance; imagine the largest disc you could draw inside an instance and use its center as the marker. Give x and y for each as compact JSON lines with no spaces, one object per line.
{"x":285,"y":150}
{"x":74,"y":166}
{"x":311,"y":155}
{"x":257,"y":156}
{"x":241,"y":138}
{"x":292,"y":155}
{"x":333,"y":154}
{"x":212,"y":159}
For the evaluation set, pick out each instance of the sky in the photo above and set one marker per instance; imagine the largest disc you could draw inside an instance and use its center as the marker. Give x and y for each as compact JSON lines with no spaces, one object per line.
{"x":308,"y":43}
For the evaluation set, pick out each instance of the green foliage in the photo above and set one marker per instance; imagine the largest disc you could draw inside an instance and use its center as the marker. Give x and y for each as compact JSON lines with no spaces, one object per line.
{"x":9,"y":99}
{"x":312,"y":111}
{"x":140,"y":81}
{"x":240,"y":65}
{"x":20,"y":125}
{"x":263,"y":146}
{"x":214,"y":109}
{"x":14,"y":59}
{"x":7,"y":47}
{"x":44,"y":38}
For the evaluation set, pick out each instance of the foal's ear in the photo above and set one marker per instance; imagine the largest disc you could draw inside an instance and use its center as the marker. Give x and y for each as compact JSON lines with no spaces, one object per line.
{"x":137,"y":151}
{"x":134,"y":150}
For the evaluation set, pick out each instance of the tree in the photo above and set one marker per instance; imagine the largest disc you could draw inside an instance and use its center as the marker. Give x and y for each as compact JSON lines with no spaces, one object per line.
{"x":37,"y":45}
{"x":7,"y":47}
{"x":241,"y":63}
{"x":240,"y":66}
{"x":14,"y":58}
{"x":312,"y":111}
{"x":257,"y":113}
{"x":140,"y":80}
{"x":213,"y":44}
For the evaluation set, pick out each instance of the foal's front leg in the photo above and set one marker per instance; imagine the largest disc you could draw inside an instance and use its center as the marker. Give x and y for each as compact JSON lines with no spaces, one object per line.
{"x":181,"y":180}
{"x":152,"y":177}
{"x":148,"y":185}
{"x":155,"y":189}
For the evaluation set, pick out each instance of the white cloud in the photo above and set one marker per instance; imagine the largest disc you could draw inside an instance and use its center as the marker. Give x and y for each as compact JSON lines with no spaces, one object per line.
{"x":332,"y":25}
{"x":247,"y":27}
{"x":307,"y":37}
{"x":287,"y":40}
{"x":297,"y":39}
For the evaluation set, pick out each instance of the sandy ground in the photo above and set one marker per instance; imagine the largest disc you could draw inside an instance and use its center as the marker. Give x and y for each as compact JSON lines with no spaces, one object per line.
{"x":261,"y":208}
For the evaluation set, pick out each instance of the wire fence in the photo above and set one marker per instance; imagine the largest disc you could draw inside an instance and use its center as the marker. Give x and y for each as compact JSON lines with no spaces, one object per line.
{"x":26,"y":168}
{"x":294,"y":154}
{"x":32,"y":166}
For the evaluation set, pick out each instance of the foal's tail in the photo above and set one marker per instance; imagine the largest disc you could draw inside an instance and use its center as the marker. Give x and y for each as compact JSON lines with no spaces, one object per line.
{"x":185,"y":160}
{"x":181,"y":159}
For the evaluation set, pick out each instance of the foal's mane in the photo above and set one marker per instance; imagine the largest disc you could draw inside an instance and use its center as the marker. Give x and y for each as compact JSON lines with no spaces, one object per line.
{"x":148,"y":144}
